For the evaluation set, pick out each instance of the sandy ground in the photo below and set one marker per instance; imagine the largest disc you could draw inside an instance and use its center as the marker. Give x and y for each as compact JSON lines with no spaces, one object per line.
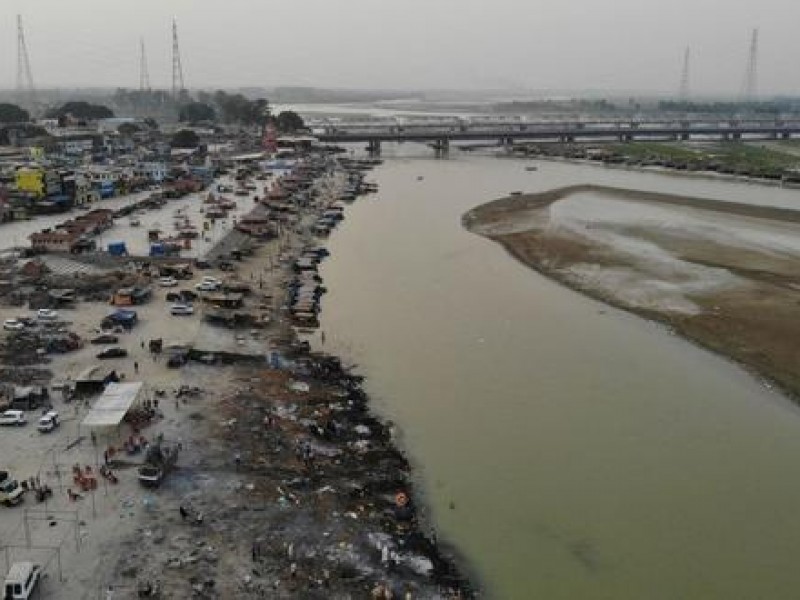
{"x":89,"y":551}
{"x":726,"y":276}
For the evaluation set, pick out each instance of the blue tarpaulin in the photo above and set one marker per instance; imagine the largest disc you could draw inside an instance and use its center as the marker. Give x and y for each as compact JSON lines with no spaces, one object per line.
{"x":117,"y":249}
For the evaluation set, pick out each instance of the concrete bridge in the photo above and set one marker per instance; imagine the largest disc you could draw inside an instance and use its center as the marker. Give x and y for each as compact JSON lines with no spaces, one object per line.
{"x":441,"y":136}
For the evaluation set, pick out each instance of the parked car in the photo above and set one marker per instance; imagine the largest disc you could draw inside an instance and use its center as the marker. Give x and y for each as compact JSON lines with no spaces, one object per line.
{"x":45,"y":314}
{"x":181,"y":309}
{"x":13,"y":417}
{"x":113,"y":353}
{"x":13,"y":325}
{"x":167,"y":282}
{"x":207,"y":286}
{"x":182,"y":296}
{"x":48,"y":422}
{"x":106,"y":338}
{"x":10,"y":491}
{"x":21,"y":581}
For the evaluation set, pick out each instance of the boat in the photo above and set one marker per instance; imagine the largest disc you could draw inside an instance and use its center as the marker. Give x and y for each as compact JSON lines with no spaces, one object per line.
{"x":531,"y":168}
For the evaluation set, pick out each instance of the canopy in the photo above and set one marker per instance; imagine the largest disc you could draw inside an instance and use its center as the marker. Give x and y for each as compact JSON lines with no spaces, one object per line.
{"x":111,"y":407}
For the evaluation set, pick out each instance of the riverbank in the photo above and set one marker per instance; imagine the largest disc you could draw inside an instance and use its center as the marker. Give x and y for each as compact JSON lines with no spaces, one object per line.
{"x":730,"y":293}
{"x":767,"y":164}
{"x":302,"y":491}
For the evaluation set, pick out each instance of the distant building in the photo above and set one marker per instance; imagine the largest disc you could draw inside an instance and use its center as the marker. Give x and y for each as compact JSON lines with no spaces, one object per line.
{"x":54,"y":241}
{"x":38,"y":182}
{"x":155,"y":172}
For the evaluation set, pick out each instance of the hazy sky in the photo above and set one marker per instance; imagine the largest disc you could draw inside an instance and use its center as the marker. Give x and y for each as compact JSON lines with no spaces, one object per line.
{"x":613,"y":45}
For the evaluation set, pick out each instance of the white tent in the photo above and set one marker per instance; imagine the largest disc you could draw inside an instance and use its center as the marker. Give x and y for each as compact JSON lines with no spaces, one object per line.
{"x":111,"y":407}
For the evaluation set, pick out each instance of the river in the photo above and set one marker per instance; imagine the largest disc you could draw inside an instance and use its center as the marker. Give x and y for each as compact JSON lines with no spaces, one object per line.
{"x":567,"y":449}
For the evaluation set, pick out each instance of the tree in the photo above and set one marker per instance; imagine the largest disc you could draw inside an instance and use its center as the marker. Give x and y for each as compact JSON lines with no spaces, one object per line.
{"x":11,"y":113}
{"x":128,"y":129}
{"x":81,"y":110}
{"x":195,"y":112}
{"x":185,"y":138}
{"x":289,"y":121}
{"x":236,"y":108}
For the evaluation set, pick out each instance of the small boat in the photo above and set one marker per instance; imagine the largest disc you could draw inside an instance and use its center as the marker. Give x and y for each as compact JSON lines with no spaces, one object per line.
{"x":531,"y":168}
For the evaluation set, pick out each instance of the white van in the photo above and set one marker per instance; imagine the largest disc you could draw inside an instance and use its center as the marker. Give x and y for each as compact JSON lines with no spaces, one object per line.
{"x":21,"y":581}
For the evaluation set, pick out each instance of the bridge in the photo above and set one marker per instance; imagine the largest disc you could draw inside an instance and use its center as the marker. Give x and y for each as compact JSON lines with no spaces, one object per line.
{"x":441,"y":135}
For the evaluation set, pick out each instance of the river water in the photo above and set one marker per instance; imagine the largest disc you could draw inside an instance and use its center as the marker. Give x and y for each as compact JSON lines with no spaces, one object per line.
{"x":567,"y":449}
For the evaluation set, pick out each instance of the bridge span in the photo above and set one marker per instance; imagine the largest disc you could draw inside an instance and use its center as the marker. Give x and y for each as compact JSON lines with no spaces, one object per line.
{"x":442,"y":137}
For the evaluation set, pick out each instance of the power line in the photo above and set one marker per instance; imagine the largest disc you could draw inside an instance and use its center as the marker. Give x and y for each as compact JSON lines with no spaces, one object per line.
{"x":684,"y":89}
{"x":177,"y":67}
{"x":25,"y":88}
{"x":750,"y":89}
{"x":144,"y":73}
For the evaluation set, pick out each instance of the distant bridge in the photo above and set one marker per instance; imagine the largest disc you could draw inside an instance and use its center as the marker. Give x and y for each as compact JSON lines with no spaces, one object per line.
{"x":440,"y":135}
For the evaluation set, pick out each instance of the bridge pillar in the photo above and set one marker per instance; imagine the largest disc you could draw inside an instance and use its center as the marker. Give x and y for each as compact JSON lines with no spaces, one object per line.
{"x":374,"y":147}
{"x":684,"y":136}
{"x":737,"y":136}
{"x":442,"y":147}
{"x":785,"y":135}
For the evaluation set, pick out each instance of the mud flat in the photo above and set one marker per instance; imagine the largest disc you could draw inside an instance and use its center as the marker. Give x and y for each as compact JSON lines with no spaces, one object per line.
{"x":723,"y":275}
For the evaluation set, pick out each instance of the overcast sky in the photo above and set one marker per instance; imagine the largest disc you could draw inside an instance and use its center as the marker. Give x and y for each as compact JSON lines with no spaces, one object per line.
{"x":614,"y":45}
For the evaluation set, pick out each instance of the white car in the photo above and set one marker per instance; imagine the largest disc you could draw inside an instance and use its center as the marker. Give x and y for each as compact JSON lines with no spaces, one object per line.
{"x":209,"y":279}
{"x":13,"y":325}
{"x":13,"y":417}
{"x":181,"y":309}
{"x":207,"y":286}
{"x":167,"y":282}
{"x":48,"y":422}
{"x":45,"y":314}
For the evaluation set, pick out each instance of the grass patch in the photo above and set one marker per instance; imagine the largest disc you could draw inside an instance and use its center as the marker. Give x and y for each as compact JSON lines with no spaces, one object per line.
{"x":749,"y":158}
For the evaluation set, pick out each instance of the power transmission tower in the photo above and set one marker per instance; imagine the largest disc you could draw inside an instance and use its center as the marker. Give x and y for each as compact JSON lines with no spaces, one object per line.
{"x":684,"y":89}
{"x":177,"y":67}
{"x":144,"y":73}
{"x":750,"y":89}
{"x":25,"y":88}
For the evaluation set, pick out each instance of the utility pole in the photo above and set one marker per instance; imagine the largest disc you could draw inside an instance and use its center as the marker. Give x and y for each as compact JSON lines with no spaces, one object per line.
{"x":750,"y":89}
{"x":144,"y":73}
{"x":683,"y":93}
{"x":177,"y":67}
{"x":25,"y":88}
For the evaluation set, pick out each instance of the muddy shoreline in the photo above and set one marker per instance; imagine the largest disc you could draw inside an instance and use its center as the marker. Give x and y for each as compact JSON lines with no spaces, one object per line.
{"x":754,"y":324}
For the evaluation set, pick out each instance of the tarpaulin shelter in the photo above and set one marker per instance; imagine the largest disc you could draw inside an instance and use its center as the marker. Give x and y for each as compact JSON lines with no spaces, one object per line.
{"x":111,"y":408}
